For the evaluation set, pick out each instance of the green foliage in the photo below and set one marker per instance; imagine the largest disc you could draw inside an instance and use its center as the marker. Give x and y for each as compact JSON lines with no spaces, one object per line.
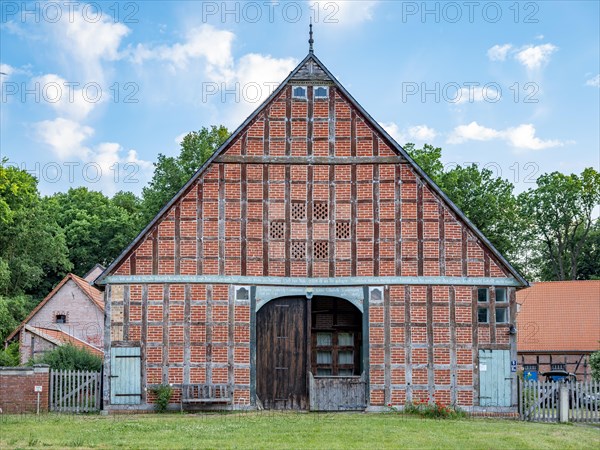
{"x":429,"y":158}
{"x":69,"y":357}
{"x":436,"y":410}
{"x":32,"y":245}
{"x":97,"y":228}
{"x":163,"y":396}
{"x":595,"y":365}
{"x":171,"y":173}
{"x":560,"y":210}
{"x":12,"y":312}
{"x":10,"y":357}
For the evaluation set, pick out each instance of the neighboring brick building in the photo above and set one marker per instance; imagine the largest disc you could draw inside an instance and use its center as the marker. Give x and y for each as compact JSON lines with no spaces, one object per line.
{"x":309,"y":255}
{"x":72,"y":313}
{"x":559,"y":326}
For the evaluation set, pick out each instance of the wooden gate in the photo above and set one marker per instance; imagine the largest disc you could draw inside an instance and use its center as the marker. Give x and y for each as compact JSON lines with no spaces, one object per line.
{"x":539,"y":401}
{"x":495,"y":378}
{"x":125,"y":376}
{"x":75,"y":391}
{"x":281,"y":354}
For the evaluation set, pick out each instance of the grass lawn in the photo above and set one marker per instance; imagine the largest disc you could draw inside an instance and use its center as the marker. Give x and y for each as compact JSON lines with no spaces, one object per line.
{"x":286,"y":430}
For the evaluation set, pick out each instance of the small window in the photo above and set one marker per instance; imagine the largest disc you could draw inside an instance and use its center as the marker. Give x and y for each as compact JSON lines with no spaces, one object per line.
{"x":482,"y":315}
{"x":345,"y":357}
{"x":324,"y":339}
{"x":482,"y":295}
{"x":299,"y":92}
{"x":345,"y":372}
{"x":345,"y":339}
{"x":324,"y":357}
{"x":61,"y":318}
{"x":530,"y":367}
{"x":321,"y":92}
{"x":558,"y":367}
{"x":501,"y":315}
{"x":323,"y":372}
{"x":501,"y":295}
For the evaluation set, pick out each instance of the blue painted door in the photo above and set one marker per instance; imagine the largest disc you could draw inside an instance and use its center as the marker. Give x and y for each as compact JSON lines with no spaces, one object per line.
{"x":495,"y":378}
{"x":125,"y":377}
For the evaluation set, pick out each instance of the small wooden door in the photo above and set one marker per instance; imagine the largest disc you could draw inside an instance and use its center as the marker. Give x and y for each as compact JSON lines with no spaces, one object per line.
{"x":281,"y":354}
{"x":495,"y":378}
{"x":125,"y":376}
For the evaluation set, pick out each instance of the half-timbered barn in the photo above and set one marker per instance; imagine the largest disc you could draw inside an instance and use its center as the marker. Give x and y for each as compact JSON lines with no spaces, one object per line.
{"x":310,"y":264}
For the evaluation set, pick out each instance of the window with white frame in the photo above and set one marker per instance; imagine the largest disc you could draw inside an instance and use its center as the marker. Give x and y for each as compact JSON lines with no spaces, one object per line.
{"x":321,"y":92}
{"x":299,"y":92}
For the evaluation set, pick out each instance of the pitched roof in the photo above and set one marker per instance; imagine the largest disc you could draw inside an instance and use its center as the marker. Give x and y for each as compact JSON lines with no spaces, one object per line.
{"x":93,"y":294}
{"x":559,"y":316}
{"x":311,"y":68}
{"x":97,"y":267}
{"x":59,"y":337}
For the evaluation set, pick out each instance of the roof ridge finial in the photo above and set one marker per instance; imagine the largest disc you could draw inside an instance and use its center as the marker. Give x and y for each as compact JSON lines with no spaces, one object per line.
{"x":311,"y":41}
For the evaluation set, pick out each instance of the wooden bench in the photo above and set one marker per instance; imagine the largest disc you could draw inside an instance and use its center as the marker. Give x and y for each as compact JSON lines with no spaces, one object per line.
{"x":205,"y":394}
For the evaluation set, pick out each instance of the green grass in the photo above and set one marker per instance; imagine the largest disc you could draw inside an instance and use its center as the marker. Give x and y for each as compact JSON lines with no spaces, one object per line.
{"x":286,"y":430}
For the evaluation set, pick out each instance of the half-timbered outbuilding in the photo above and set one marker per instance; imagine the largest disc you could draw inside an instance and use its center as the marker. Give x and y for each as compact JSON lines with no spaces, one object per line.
{"x":310,"y":264}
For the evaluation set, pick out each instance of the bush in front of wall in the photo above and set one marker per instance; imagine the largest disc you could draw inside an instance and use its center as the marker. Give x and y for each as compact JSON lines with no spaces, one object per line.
{"x":163,"y":393}
{"x":436,"y":410}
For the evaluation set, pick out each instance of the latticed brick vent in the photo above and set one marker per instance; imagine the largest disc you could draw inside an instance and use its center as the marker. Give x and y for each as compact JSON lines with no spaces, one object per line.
{"x":321,"y":250}
{"x":298,"y":211}
{"x":277,"y":230}
{"x":342,"y":230}
{"x":298,"y":250}
{"x":321,"y":211}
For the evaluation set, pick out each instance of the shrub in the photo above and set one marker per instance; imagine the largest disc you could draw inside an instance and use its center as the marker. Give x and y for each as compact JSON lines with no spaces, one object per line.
{"x":10,"y":357}
{"x":69,"y":357}
{"x":163,"y":396}
{"x":595,"y":365}
{"x":436,"y":410}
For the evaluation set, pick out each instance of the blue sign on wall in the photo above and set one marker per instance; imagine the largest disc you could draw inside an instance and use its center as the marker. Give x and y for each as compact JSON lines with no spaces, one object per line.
{"x":530,"y":375}
{"x":513,"y":365}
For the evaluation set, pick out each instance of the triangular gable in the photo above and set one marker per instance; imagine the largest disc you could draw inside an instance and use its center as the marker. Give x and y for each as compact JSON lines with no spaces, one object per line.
{"x":91,"y":293}
{"x":311,"y":69}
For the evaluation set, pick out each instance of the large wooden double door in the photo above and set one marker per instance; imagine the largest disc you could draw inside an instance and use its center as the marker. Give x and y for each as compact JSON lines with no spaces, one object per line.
{"x":281,"y":353}
{"x":292,"y":341}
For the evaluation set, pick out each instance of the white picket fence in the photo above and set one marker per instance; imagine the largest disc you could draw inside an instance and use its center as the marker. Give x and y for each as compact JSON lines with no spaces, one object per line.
{"x":539,"y":401}
{"x":75,"y":391}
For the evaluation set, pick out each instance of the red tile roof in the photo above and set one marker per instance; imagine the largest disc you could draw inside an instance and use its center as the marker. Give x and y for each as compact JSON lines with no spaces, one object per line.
{"x":559,"y":316}
{"x":59,"y":336}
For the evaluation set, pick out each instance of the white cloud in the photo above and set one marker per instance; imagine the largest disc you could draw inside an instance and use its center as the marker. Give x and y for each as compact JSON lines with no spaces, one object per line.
{"x":64,"y":98}
{"x":89,"y":44}
{"x":499,"y":52}
{"x":256,"y":76}
{"x":594,"y":81}
{"x":205,"y":42}
{"x":6,"y":70}
{"x":521,"y":137}
{"x":472,"y":132}
{"x":106,"y":161}
{"x":342,"y":12}
{"x":179,"y":138}
{"x":65,"y":137}
{"x":415,"y":133}
{"x":534,"y":57}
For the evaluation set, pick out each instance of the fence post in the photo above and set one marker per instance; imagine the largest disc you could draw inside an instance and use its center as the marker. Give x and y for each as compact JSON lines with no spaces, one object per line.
{"x":563,"y":403}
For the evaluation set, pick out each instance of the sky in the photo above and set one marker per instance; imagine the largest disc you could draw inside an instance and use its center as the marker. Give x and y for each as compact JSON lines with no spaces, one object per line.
{"x":91,"y":93}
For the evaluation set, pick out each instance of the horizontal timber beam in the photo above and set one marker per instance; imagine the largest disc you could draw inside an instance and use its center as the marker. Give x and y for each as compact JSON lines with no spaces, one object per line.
{"x":302,"y":281}
{"x":315,"y":160}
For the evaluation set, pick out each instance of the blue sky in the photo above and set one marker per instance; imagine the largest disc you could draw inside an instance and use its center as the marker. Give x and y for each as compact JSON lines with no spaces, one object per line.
{"x":92,"y":93}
